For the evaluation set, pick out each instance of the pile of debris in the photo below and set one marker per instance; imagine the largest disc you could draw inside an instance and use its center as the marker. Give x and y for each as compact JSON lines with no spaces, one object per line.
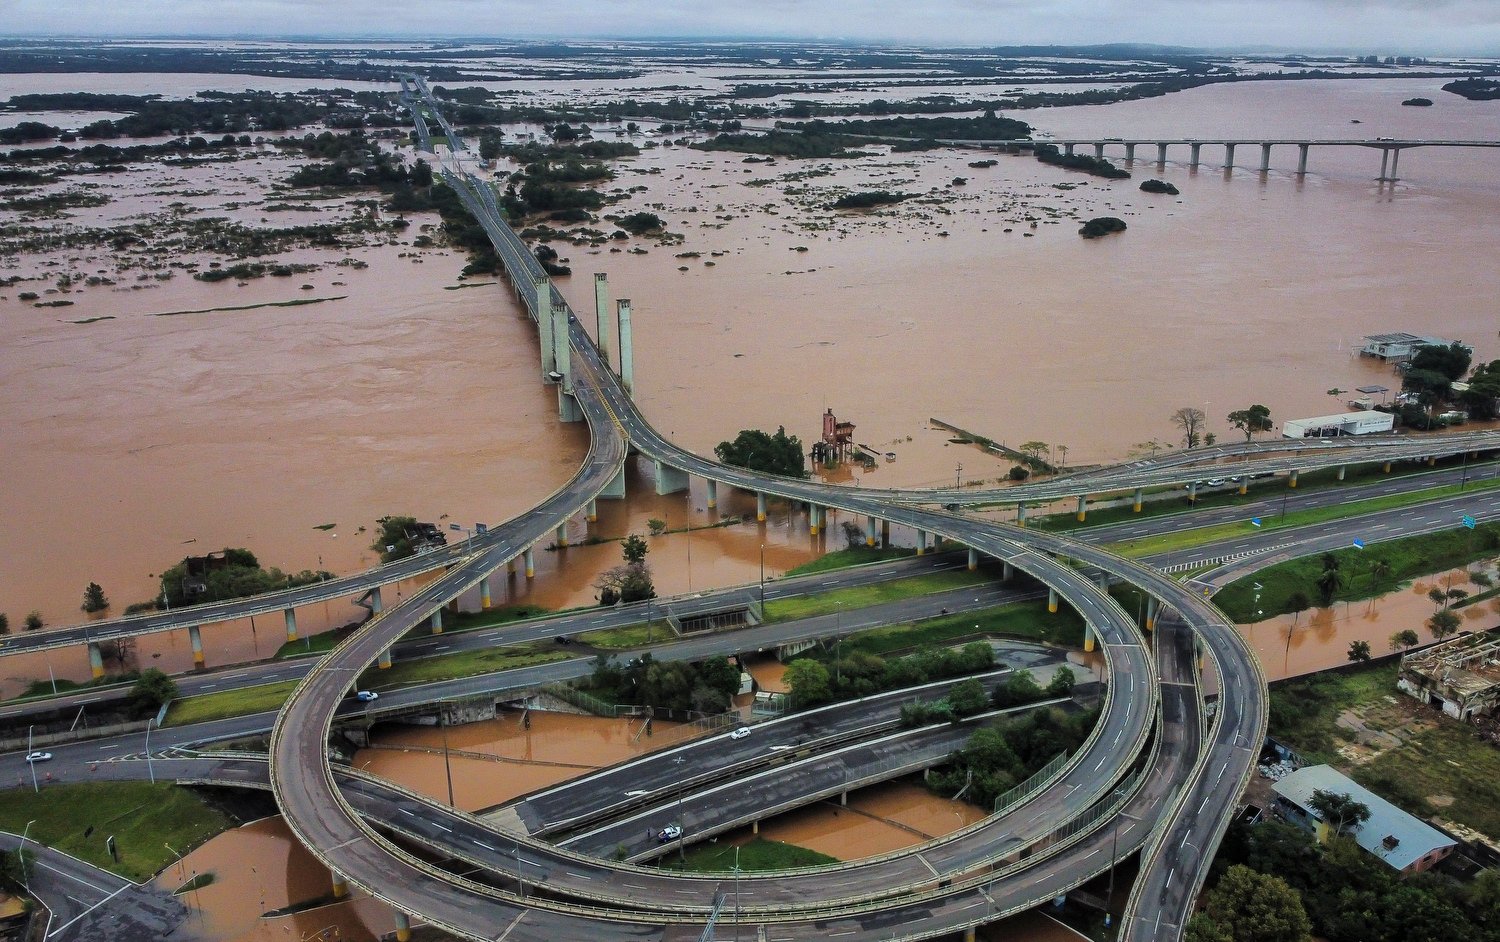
{"x":1276,"y":771}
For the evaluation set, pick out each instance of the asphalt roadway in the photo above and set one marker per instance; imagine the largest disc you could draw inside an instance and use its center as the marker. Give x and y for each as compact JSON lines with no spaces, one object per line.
{"x":87,"y":904}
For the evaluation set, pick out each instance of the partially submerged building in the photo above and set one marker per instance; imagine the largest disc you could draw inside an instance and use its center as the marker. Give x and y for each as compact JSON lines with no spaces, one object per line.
{"x":1461,"y":676}
{"x":1407,"y":844}
{"x":1400,"y":346}
{"x":1334,"y":426}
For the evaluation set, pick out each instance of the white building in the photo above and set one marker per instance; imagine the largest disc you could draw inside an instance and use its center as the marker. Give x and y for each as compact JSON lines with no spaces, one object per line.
{"x":1344,"y":423}
{"x":1399,"y":347}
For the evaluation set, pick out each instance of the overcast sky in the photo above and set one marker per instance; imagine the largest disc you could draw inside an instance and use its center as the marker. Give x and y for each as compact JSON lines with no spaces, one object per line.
{"x":1390,"y":26}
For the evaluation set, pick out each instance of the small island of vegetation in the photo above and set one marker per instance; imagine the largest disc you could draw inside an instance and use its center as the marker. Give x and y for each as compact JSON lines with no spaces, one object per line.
{"x":1097,"y":166}
{"x":867,"y":199}
{"x":1158,"y":186}
{"x":772,"y":454}
{"x":1475,"y":89}
{"x":1101,"y":226}
{"x":1418,"y":102}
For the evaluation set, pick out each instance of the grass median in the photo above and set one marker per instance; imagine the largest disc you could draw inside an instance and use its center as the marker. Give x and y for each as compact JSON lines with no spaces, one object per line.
{"x":863,"y":596}
{"x":142,"y":817}
{"x":758,"y":855}
{"x":223,"y":704}
{"x":853,"y":556}
{"x":459,"y":664}
{"x":1026,"y":620}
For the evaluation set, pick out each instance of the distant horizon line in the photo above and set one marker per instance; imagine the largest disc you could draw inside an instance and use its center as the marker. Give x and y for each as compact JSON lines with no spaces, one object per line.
{"x":1258,"y":49}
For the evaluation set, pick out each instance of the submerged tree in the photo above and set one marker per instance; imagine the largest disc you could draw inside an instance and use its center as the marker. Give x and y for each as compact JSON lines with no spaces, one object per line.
{"x":1191,"y":421}
{"x":93,"y":598}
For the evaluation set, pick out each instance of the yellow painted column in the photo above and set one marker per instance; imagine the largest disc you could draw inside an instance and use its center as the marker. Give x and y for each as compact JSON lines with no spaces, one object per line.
{"x":195,"y":637}
{"x":530,"y":557}
{"x":385,"y":660}
{"x":1082,"y":504}
{"x":1291,"y":480}
{"x":1139,"y":495}
{"x":760,"y":507}
{"x":1386,"y":468}
{"x":973,"y":559}
{"x":96,"y":660}
{"x":291,"y":624}
{"x":340,"y":885}
{"x":484,"y":592}
{"x":437,"y":622}
{"x":1088,"y":638}
{"x":561,"y":535}
{"x":1052,"y":600}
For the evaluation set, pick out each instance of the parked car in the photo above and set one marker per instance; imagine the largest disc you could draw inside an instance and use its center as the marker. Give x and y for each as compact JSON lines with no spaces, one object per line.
{"x":669,"y":833}
{"x":740,"y":733}
{"x":367,"y":696}
{"x":39,"y":757}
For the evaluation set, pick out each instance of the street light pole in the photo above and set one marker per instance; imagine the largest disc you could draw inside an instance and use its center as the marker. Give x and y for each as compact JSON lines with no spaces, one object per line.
{"x":447,"y":765}
{"x":34,"y":786}
{"x":762,"y":582}
{"x":150,"y":769}
{"x":21,"y":854}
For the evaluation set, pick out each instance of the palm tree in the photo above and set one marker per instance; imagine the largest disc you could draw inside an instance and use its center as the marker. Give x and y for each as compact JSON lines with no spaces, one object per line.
{"x":1329,"y":584}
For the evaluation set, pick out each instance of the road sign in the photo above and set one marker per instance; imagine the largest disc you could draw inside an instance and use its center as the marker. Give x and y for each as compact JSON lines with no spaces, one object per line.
{"x":481,"y":527}
{"x":1469,"y":521}
{"x":1255,"y":521}
{"x":1358,"y":543}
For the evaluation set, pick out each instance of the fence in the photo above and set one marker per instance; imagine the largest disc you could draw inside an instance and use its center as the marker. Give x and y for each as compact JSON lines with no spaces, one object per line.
{"x":1038,"y":780}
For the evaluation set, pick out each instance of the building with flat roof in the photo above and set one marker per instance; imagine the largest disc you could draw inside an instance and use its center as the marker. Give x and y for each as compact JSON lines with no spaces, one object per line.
{"x":1344,"y":423}
{"x":1406,"y":843}
{"x":1461,"y":676}
{"x":1398,"y":347}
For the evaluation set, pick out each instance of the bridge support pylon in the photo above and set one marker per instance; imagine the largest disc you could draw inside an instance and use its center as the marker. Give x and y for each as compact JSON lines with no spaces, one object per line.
{"x":376,"y":607}
{"x":921,"y":542}
{"x":340,"y":885}
{"x":1228,"y":156}
{"x":1302,"y":150}
{"x":1129,"y":153}
{"x":1052,"y":600}
{"x":1007,"y":572}
{"x":973,"y":559}
{"x":601,"y":314}
{"x":530,"y":557}
{"x":403,"y":926}
{"x":541,"y":287}
{"x":484,"y":593}
{"x":760,"y":506}
{"x":1151,"y":608}
{"x":627,"y":346}
{"x":560,"y":535}
{"x":1021,"y":515}
{"x":436,"y":622}
{"x":1196,"y":158}
{"x":195,"y":638}
{"x":1088,"y":638}
{"x":1342,"y":470}
{"x":1386,"y":467}
{"x":96,"y":660}
{"x":386,"y":660}
{"x":1265,"y":158}
{"x":1140,"y":494}
{"x":1161,"y":154}
{"x":1244,"y":485}
{"x":869,"y":531}
{"x":1082,"y":507}
{"x":1099,"y":150}
{"x":1291,"y":478}
{"x":669,"y":480}
{"x":713,"y":495}
{"x":290,"y":615}
{"x":591,"y":512}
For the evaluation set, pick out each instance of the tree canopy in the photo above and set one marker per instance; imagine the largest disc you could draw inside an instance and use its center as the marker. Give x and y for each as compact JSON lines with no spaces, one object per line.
{"x":1249,"y":906}
{"x":1338,"y":810}
{"x":772,"y":454}
{"x":1256,"y":418}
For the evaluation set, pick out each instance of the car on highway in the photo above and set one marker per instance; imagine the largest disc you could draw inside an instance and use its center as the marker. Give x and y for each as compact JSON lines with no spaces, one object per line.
{"x":38,"y":757}
{"x":669,"y":833}
{"x":555,"y":376}
{"x":740,"y":733}
{"x":562,"y":639}
{"x":366,"y":696}
{"x":1215,"y":482}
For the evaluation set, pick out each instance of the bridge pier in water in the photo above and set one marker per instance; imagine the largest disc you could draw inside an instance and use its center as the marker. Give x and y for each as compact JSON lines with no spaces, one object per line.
{"x":1099,"y":150}
{"x":1196,"y":159}
{"x":760,"y":506}
{"x":195,"y":638}
{"x":591,"y":511}
{"x":1068,"y":149}
{"x":541,"y":288}
{"x":1302,"y":150}
{"x":560,"y":535}
{"x":1161,"y":154}
{"x":669,"y":480}
{"x":713,"y":497}
{"x":1130,"y":153}
{"x":96,"y":660}
{"x":403,"y":926}
{"x":290,"y":615}
{"x":1228,"y":156}
{"x":1265,"y":158}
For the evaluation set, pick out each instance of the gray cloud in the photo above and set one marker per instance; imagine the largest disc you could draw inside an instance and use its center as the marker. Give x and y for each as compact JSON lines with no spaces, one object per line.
{"x":1419,"y":26}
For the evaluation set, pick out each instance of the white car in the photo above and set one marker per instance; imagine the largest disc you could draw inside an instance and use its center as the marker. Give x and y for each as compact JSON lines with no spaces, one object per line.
{"x":669,"y":833}
{"x":39,"y":757}
{"x":367,"y":696}
{"x":740,"y":733}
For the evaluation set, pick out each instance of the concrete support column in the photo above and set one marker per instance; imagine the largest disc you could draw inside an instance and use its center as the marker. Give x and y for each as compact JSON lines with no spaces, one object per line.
{"x":1088,"y":638}
{"x":1228,"y":156}
{"x":1068,"y":149}
{"x":510,"y":566}
{"x":437,"y":621}
{"x":96,"y":660}
{"x":386,"y":660}
{"x":921,"y":542}
{"x":1082,"y":507}
{"x":1193,"y":493}
{"x":484,"y":592}
{"x":1342,"y":469}
{"x":755,"y":826}
{"x":1098,"y":150}
{"x":375,"y":604}
{"x":560,"y":535}
{"x":1052,"y":600}
{"x":542,"y":299}
{"x":592,"y":511}
{"x":403,"y":926}
{"x":340,"y":885}
{"x":1385,"y":157}
{"x":869,"y":531}
{"x":1130,"y":153}
{"x":1395,"y":160}
{"x":1007,"y":572}
{"x":713,"y":494}
{"x":760,"y":506}
{"x":1244,"y":485}
{"x":1432,"y":461}
{"x":1151,"y":606}
{"x":1161,"y":153}
{"x":814,"y":519}
{"x":601,"y":314}
{"x":290,"y":615}
{"x":1265,"y":158}
{"x":1302,"y":159}
{"x":885,"y":533}
{"x":969,"y":934}
{"x":1386,"y":467}
{"x":1140,"y":494}
{"x":627,"y":346}
{"x":195,"y":638}
{"x":973,"y":559}
{"x":1291,"y":479}
{"x":1195,"y":160}
{"x":1020,"y":515}
{"x":530,"y":558}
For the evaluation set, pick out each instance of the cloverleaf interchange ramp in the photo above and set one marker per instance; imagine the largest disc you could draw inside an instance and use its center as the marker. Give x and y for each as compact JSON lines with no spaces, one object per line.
{"x":315,"y":809}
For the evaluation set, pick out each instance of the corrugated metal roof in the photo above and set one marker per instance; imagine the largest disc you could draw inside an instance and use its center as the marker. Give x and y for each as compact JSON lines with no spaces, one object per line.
{"x":1414,"y":837}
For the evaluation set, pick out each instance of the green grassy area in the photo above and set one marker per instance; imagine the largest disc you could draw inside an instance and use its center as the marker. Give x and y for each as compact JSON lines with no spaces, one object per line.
{"x":223,"y":704}
{"x":1408,"y":558}
{"x":758,"y":855}
{"x":143,"y":818}
{"x":863,"y":596}
{"x":1027,"y":620}
{"x":627,"y":636}
{"x":1449,"y":770}
{"x":456,"y":665}
{"x":323,"y":641}
{"x":844,"y":558}
{"x":1183,"y":539}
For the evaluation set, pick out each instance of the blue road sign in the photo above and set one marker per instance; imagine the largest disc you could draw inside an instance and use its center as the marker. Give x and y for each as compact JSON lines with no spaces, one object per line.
{"x":1358,"y":543}
{"x":1469,"y":521}
{"x":1255,"y":521}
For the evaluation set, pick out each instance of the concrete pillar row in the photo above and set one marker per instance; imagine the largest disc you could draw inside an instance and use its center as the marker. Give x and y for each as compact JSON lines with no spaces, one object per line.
{"x":1068,"y":149}
{"x":921,"y":542}
{"x":1140,"y":494}
{"x":1052,"y":600}
{"x":96,"y":660}
{"x":530,"y":557}
{"x":484,"y":592}
{"x":195,"y":638}
{"x":713,"y":494}
{"x":437,"y":621}
{"x":510,"y":566}
{"x":1082,"y":507}
{"x":1302,"y":160}
{"x":1098,"y":150}
{"x":1291,"y":479}
{"x":973,"y":559}
{"x":386,"y":660}
{"x":290,"y":615}
{"x":869,"y":531}
{"x":1395,"y":160}
{"x":1385,"y":157}
{"x":601,"y":314}
{"x":760,"y":506}
{"x":403,"y":926}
